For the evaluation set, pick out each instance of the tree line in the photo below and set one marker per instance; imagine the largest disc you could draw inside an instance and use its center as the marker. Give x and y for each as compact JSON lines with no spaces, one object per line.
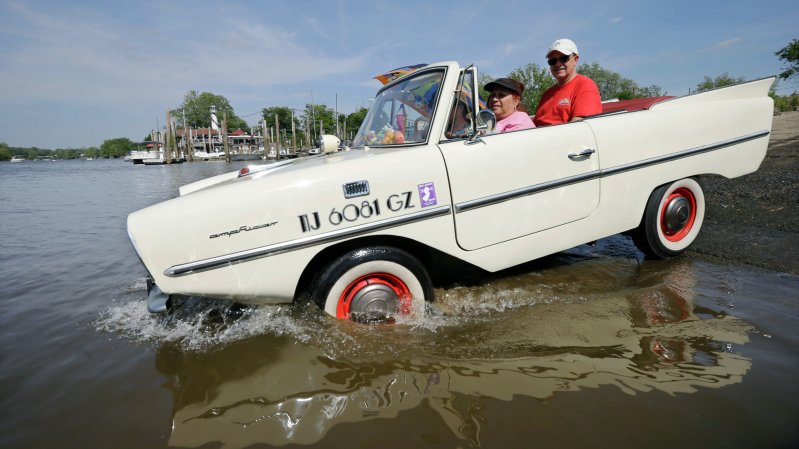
{"x":612,"y":85}
{"x":537,"y":79}
{"x":111,"y":148}
{"x":195,"y":110}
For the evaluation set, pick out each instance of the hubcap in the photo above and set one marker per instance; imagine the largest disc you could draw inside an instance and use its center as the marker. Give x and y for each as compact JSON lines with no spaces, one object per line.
{"x":376,"y":297}
{"x":375,"y":302}
{"x":678,"y":211}
{"x":678,"y":215}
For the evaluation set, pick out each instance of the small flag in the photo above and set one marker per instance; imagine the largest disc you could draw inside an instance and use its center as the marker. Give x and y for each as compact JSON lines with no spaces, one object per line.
{"x":391,"y":75}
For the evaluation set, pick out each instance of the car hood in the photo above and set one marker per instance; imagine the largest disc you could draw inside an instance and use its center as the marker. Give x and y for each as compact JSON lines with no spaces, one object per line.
{"x":260,"y":170}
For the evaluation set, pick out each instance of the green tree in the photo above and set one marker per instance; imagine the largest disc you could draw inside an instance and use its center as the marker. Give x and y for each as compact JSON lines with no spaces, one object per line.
{"x":117,"y":147}
{"x":482,"y":80}
{"x":236,"y":122}
{"x":536,"y":80}
{"x":720,"y":81}
{"x":785,"y":103}
{"x":32,"y":154}
{"x":613,"y":85}
{"x":790,"y":55}
{"x":5,"y":152}
{"x":317,"y":114}
{"x":283,"y":117}
{"x":355,"y":120}
{"x":197,"y":108}
{"x":67,"y":153}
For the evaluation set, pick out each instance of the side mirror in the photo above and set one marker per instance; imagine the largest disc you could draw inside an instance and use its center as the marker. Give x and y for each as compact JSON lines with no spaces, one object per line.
{"x":486,"y":121}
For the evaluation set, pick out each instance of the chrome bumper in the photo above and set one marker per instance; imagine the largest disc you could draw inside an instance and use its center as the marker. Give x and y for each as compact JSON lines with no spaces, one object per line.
{"x":156,"y":299}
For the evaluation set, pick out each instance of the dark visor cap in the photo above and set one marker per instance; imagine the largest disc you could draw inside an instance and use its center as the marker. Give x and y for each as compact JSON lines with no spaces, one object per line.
{"x":507,"y":83}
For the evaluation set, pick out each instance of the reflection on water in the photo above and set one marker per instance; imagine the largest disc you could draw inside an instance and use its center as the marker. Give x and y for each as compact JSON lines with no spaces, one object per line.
{"x":276,"y":388}
{"x":593,"y":316}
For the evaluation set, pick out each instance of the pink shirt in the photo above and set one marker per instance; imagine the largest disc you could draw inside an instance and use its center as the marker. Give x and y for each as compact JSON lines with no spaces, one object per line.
{"x":514,"y":122}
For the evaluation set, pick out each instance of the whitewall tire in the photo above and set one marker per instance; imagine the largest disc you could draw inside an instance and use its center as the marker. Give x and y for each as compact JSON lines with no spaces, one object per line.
{"x":672,"y":219}
{"x":373,"y":284}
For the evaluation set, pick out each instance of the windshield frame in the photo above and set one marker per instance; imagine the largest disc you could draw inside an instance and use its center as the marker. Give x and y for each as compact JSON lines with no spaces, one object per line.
{"x":473,"y":105}
{"x":377,"y":105}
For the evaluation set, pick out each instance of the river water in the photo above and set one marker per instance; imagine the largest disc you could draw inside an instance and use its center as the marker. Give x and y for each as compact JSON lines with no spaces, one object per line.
{"x":592,"y":347}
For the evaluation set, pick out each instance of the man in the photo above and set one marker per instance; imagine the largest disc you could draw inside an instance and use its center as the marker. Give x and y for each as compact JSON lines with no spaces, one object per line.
{"x":574,"y":96}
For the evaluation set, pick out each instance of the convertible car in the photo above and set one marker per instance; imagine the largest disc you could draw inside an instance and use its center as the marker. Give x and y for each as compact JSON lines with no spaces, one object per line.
{"x":360,"y":232}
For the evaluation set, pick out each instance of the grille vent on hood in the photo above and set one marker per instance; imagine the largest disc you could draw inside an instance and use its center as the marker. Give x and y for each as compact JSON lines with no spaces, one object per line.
{"x":356,"y":189}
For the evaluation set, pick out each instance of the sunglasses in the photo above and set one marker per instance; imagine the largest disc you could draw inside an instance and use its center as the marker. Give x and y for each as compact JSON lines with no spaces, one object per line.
{"x":561,"y":59}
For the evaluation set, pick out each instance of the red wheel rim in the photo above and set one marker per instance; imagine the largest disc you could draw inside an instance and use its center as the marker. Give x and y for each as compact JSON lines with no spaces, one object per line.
{"x":396,"y":284}
{"x":676,"y":236}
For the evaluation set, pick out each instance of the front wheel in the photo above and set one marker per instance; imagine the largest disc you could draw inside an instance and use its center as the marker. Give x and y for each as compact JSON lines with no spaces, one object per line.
{"x":672,"y":219}
{"x":373,"y":284}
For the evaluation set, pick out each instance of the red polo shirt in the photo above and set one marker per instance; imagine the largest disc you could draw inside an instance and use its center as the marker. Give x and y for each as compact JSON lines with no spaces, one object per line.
{"x":559,"y":104}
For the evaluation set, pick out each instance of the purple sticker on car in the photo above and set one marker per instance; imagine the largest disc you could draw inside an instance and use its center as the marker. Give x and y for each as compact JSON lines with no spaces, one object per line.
{"x":427,"y":194}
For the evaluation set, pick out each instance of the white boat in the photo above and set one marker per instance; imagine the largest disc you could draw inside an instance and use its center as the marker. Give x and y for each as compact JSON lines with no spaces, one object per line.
{"x":209,"y":156}
{"x":151,"y":150}
{"x":160,"y":160}
{"x":362,"y":232}
{"x":17,"y":159}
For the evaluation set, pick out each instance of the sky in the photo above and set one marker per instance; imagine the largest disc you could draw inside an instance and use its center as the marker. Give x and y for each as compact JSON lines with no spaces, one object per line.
{"x":74,"y":73}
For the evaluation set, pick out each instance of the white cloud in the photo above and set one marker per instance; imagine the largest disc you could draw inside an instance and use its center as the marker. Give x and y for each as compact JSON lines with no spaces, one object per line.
{"x":723,"y":44}
{"x":102,"y":61}
{"x":95,"y":65}
{"x":317,"y":27}
{"x":729,"y":42}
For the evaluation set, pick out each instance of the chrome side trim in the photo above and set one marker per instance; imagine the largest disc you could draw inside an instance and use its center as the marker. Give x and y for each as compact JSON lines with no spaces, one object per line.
{"x":524,"y":191}
{"x":683,"y":154}
{"x":327,"y":237}
{"x":596,"y":174}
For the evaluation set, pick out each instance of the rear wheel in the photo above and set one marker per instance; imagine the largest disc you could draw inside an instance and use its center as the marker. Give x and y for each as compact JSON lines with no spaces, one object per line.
{"x":672,"y":219}
{"x":374,"y":284}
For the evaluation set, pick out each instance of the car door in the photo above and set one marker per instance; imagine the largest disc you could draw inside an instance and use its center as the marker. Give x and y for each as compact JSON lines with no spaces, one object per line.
{"x":505,"y":186}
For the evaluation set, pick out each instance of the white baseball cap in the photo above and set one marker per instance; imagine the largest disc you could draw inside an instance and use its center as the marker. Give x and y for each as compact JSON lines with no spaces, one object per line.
{"x":565,"y":46}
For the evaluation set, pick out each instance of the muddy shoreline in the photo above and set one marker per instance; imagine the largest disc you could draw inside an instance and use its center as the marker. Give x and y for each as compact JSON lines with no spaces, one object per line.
{"x":754,"y":219}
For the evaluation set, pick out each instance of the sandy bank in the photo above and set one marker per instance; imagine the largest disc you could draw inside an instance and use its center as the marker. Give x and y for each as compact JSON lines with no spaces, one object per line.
{"x":754,"y":219}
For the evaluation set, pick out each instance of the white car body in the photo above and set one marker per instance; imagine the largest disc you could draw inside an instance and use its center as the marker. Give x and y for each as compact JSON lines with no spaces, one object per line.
{"x":493,"y":201}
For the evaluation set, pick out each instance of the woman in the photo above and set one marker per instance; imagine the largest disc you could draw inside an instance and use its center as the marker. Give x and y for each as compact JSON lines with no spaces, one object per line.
{"x":505,"y":100}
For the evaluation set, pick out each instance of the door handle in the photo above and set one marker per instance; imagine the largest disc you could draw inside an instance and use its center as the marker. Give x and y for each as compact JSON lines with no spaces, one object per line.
{"x":585,"y":154}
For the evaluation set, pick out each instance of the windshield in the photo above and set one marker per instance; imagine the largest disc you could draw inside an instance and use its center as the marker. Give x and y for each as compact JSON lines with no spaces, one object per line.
{"x":401,"y":113}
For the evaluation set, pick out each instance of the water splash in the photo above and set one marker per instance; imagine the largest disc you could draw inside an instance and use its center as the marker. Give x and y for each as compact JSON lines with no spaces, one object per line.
{"x":460,"y":318}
